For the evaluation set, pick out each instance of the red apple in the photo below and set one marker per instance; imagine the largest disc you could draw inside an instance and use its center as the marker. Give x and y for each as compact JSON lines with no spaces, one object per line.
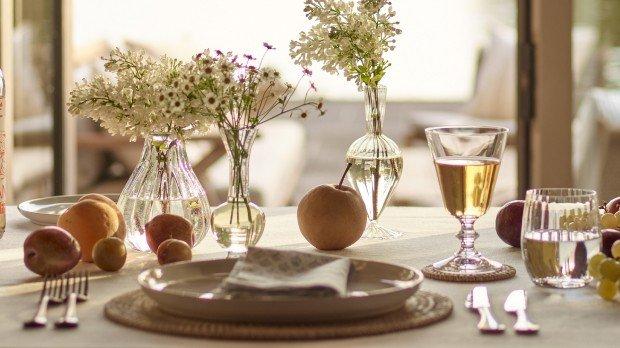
{"x":508,"y":223}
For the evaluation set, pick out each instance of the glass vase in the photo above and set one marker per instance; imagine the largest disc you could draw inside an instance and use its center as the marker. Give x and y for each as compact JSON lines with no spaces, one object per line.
{"x":163,"y":182}
{"x":238,"y":223}
{"x":376,"y":164}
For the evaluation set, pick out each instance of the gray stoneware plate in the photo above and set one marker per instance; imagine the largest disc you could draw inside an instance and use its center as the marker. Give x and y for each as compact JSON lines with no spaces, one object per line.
{"x":184,"y":289}
{"x":45,"y":211}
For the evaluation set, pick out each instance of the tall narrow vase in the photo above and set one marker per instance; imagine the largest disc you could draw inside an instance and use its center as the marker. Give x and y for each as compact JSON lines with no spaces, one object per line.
{"x":238,"y":223}
{"x":376,"y":164}
{"x":163,"y":182}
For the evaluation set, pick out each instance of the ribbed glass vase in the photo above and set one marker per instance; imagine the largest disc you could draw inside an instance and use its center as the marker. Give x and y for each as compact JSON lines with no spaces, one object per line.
{"x":238,"y":223}
{"x":376,"y":164}
{"x":163,"y":182}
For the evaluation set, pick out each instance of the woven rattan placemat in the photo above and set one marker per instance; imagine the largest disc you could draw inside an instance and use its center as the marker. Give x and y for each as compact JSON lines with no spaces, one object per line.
{"x":505,"y":272}
{"x":136,"y":310}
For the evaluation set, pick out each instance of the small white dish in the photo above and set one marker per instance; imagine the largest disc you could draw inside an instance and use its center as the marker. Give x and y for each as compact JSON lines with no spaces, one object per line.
{"x":45,"y":211}
{"x":185,"y":289}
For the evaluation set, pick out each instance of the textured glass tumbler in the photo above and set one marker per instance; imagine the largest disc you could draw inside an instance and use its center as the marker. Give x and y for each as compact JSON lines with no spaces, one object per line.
{"x":467,"y":161}
{"x":560,"y":233}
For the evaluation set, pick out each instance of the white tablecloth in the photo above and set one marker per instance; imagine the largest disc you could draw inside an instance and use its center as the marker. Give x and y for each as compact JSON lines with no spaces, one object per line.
{"x":569,"y":318}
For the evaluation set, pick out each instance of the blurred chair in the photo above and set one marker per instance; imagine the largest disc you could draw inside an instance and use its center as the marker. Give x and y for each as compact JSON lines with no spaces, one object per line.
{"x":596,"y":143}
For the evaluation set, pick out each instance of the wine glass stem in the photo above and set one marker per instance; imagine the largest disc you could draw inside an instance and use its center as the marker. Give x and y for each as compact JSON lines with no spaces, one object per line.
{"x":467,"y":235}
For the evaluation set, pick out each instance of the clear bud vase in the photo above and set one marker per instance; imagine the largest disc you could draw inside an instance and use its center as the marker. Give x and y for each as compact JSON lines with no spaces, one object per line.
{"x":238,"y":223}
{"x":163,"y":182}
{"x":376,"y":164}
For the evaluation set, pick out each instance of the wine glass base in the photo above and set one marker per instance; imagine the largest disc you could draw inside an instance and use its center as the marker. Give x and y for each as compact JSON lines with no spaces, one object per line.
{"x":466,"y":266}
{"x":374,"y":231}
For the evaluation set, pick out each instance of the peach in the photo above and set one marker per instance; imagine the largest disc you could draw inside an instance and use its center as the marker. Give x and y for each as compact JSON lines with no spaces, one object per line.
{"x":51,"y":251}
{"x":173,"y":250}
{"x":89,"y":221}
{"x":168,"y":226}
{"x":122,"y":227}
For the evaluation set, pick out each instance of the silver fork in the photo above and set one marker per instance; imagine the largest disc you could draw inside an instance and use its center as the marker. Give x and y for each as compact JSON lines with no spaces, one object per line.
{"x":76,"y":290}
{"x":50,"y":294}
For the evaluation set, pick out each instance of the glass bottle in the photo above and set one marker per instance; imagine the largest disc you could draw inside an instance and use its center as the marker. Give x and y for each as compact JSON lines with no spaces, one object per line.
{"x":2,"y":157}
{"x":238,"y":223}
{"x":163,"y":182}
{"x":376,"y":164}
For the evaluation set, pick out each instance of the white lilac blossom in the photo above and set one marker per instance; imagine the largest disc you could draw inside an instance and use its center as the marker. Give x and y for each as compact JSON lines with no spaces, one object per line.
{"x":145,"y":96}
{"x":348,"y":37}
{"x":238,"y":92}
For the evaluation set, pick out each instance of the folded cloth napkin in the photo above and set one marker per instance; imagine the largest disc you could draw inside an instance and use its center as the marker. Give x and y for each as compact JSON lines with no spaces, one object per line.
{"x":285,"y":273}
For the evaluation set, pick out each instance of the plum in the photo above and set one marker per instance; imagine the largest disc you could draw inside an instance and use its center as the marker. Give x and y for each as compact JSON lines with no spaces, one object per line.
{"x":609,"y":236}
{"x":51,"y":251}
{"x":613,"y":206}
{"x":168,"y":226}
{"x":508,"y":222}
{"x":173,"y":250}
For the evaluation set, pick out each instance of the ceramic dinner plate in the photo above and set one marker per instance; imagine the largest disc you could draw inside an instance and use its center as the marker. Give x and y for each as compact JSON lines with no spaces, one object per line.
{"x":45,"y":211}
{"x":185,"y":289}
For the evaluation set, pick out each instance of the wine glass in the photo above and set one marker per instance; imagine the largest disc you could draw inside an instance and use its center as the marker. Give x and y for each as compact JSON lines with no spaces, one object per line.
{"x":466,"y":160}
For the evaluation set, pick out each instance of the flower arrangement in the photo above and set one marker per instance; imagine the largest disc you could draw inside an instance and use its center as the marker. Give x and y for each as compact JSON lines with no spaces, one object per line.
{"x":348,"y":37}
{"x":240,"y":93}
{"x":145,"y":96}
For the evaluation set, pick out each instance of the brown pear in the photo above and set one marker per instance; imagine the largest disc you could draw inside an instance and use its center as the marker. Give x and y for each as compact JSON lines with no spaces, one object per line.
{"x":331,"y":217}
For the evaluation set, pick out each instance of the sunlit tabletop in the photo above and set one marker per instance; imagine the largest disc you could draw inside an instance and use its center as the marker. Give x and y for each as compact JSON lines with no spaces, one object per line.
{"x":568,"y":318}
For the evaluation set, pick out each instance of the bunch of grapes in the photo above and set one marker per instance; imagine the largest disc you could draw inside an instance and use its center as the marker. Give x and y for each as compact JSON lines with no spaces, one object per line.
{"x":607,"y":271}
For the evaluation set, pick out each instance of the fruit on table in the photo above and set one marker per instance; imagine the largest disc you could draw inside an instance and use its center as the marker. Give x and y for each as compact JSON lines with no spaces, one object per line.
{"x":51,"y":251}
{"x":608,"y":220}
{"x":331,"y":217}
{"x":110,"y":254}
{"x":89,"y":221}
{"x":122,"y":227}
{"x":609,"y":269}
{"x":613,"y":206}
{"x":168,"y":226}
{"x":615,"y":249}
{"x":609,"y":237}
{"x":607,"y":289}
{"x":173,"y":250}
{"x":508,"y":222}
{"x":594,"y":263}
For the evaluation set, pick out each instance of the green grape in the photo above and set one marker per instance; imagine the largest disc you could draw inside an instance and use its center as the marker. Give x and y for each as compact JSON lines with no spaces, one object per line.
{"x":609,"y":269}
{"x":595,"y":261}
{"x":608,"y":220}
{"x":607,"y":289}
{"x":615,"y":249}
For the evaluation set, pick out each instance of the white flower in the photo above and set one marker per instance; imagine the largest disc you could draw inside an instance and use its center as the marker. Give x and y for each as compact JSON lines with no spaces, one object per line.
{"x":348,"y":38}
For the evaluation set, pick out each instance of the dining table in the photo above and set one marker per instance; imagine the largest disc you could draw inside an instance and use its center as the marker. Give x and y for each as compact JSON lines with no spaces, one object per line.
{"x":567,"y":317}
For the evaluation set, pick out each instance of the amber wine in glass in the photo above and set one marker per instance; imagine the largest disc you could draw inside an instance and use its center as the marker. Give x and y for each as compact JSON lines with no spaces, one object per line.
{"x":467,"y":161}
{"x":466,"y":184}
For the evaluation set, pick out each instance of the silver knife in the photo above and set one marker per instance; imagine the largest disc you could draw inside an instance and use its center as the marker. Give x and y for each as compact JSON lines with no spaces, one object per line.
{"x":516,"y":303}
{"x":480,"y":302}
